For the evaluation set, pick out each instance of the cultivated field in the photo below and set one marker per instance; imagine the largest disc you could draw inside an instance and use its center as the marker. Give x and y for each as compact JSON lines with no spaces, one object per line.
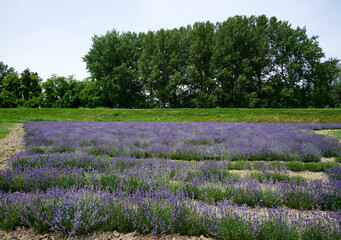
{"x":220,"y":180}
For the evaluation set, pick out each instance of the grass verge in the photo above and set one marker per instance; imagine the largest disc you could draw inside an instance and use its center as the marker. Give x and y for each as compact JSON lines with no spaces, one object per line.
{"x":337,"y":134}
{"x":5,"y":128}
{"x":182,"y":114}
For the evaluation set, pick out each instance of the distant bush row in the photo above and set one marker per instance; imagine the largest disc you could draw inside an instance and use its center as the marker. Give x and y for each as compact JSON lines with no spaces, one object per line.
{"x":28,"y":90}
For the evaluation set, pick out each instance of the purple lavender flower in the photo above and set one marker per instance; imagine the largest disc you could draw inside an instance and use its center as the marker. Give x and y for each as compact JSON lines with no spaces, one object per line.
{"x":79,"y":177}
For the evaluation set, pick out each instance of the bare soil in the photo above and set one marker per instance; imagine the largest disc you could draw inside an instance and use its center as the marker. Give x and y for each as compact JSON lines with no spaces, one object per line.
{"x":11,"y":144}
{"x":306,"y":174}
{"x":21,"y":233}
{"x":332,"y":159}
{"x":326,"y":132}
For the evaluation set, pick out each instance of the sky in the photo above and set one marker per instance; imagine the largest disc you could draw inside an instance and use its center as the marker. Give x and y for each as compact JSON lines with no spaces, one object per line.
{"x":51,"y":36}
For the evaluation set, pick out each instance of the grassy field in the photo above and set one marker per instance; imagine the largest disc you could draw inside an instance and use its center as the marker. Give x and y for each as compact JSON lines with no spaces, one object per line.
{"x":188,"y":115}
{"x":337,"y":134}
{"x":5,"y":128}
{"x":8,"y":116}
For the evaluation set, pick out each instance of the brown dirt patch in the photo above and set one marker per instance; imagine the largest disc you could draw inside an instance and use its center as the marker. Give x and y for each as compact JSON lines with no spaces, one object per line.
{"x":11,"y":144}
{"x":310,"y":175}
{"x":22,"y":233}
{"x":327,"y":132}
{"x":173,"y":112}
{"x":332,"y":159}
{"x":306,"y":174}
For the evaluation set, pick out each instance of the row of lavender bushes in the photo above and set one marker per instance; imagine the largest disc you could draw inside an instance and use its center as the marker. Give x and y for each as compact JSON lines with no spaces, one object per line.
{"x":59,"y":183}
{"x":207,"y":180}
{"x":185,"y":141}
{"x":160,"y":211}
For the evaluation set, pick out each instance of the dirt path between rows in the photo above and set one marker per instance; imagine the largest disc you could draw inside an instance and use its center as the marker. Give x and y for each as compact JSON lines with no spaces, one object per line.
{"x":11,"y":144}
{"x":326,"y":132}
{"x":306,"y":174}
{"x":22,"y":233}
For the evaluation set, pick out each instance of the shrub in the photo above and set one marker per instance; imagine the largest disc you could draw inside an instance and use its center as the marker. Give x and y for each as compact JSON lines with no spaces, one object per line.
{"x":334,"y":173}
{"x":295,"y":166}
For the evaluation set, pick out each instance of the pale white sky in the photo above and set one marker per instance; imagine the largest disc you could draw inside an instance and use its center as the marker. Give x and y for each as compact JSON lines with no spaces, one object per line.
{"x":52,"y":36}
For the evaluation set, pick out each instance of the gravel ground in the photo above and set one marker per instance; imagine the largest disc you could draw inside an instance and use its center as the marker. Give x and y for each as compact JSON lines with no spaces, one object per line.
{"x":11,"y":144}
{"x":326,"y":132}
{"x":306,"y":174}
{"x":21,"y":233}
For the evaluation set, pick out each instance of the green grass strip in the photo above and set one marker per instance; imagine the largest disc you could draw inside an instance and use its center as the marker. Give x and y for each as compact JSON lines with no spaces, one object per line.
{"x":181,"y":114}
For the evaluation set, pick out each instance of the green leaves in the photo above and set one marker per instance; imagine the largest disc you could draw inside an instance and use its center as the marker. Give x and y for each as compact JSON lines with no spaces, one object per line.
{"x":112,"y":62}
{"x":241,"y":62}
{"x":15,"y":91}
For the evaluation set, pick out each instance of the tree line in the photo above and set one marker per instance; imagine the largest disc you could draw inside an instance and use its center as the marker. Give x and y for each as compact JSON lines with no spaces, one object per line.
{"x":28,"y":90}
{"x":241,"y":62}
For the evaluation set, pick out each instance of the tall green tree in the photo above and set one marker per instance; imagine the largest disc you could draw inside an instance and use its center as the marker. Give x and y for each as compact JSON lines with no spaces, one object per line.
{"x":112,"y":62}
{"x":160,"y":66}
{"x":148,"y":67}
{"x":63,"y":92}
{"x":199,"y":71}
{"x":232,"y":59}
{"x":10,"y":91}
{"x":8,"y":86}
{"x":336,"y":88}
{"x":241,"y":62}
{"x":295,"y":57}
{"x":5,"y":71}
{"x":30,"y":88}
{"x":91,"y":95}
{"x":322,"y":80}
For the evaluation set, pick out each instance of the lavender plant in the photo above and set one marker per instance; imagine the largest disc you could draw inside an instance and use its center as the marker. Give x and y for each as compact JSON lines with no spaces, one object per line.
{"x":79,"y":177}
{"x":186,"y":141}
{"x":161,"y":212}
{"x":334,"y":173}
{"x":206,"y":180}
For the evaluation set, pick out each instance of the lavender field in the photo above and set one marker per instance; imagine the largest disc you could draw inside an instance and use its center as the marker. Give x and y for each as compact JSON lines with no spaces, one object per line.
{"x":174,"y":177}
{"x":185,"y":141}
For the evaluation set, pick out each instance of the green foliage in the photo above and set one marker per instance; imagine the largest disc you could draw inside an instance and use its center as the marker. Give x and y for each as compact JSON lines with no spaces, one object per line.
{"x":62,"y":92}
{"x":336,"y":90}
{"x":239,"y":165}
{"x":184,"y":114}
{"x":336,"y":134}
{"x":17,"y":91}
{"x":278,"y":176}
{"x":162,"y":66}
{"x":296,"y":166}
{"x":112,"y":62}
{"x":247,"y":62}
{"x":241,"y":62}
{"x":316,"y":231}
{"x":30,"y":85}
{"x":338,"y":158}
{"x":200,"y":69}
{"x":10,"y":91}
{"x":12,"y":219}
{"x":5,"y":129}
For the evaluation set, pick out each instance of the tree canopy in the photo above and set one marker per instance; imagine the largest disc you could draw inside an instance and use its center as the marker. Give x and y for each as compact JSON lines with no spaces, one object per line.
{"x":251,"y":62}
{"x":15,"y":90}
{"x":241,"y":62}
